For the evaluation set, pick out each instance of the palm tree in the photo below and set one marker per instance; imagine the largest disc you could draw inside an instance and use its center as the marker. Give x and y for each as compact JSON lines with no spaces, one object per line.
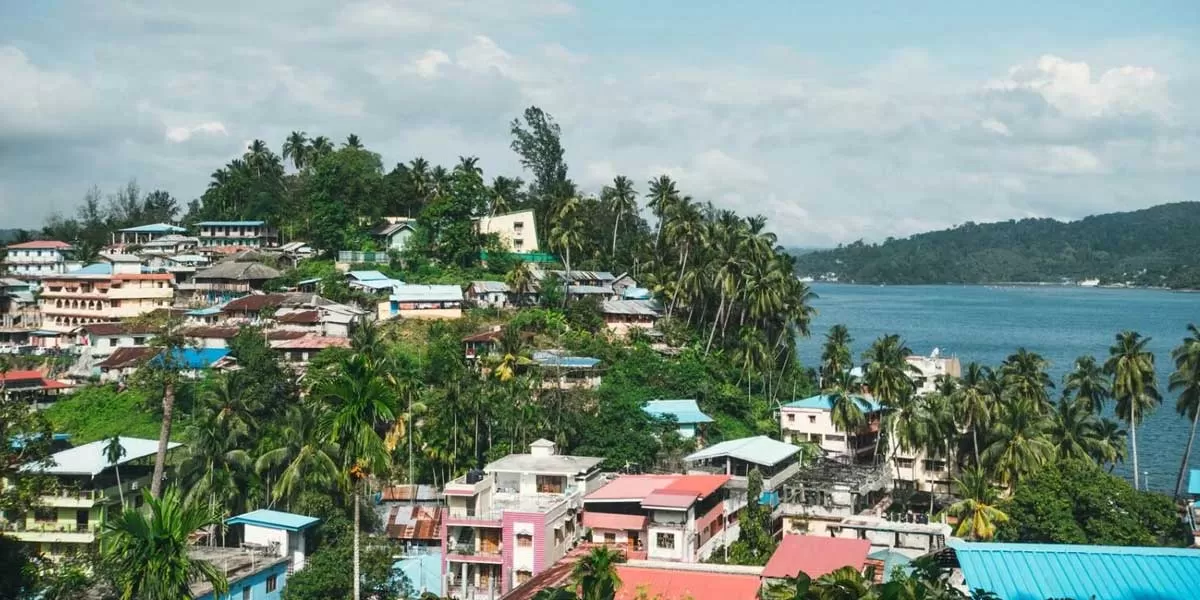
{"x":846,"y":583}
{"x":1186,"y":381}
{"x":835,"y":353}
{"x":792,"y":588}
{"x":216,"y":468}
{"x":1023,"y":374}
{"x":360,"y":402}
{"x":848,"y":409}
{"x":596,"y":574}
{"x":352,"y":141}
{"x":684,"y":230}
{"x":520,"y":281}
{"x":1132,"y":369}
{"x":662,"y":196}
{"x":1019,"y":443}
{"x":113,"y":453}
{"x":623,"y":199}
{"x":1074,"y":430}
{"x":1088,"y":383}
{"x":300,"y":459}
{"x":504,"y":194}
{"x":976,"y":511}
{"x":974,"y":400}
{"x":567,"y":233}
{"x":170,"y":341}
{"x":145,"y":552}
{"x":319,"y":148}
{"x":296,"y":148}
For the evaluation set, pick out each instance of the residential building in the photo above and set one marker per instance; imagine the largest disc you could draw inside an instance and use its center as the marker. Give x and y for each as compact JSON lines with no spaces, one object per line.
{"x":490,"y":294}
{"x":1193,"y":505}
{"x":225,"y":281}
{"x":823,"y":493}
{"x":897,"y":532}
{"x":306,"y":313}
{"x":192,"y":362}
{"x":273,"y":547}
{"x":423,"y":569}
{"x":930,"y":368}
{"x":85,"y":493}
{"x":236,"y":234}
{"x":482,"y":343}
{"x":686,"y":414}
{"x":372,"y":282}
{"x":33,"y":387}
{"x":123,"y":362}
{"x":517,"y":231}
{"x":102,"y":293}
{"x":624,"y":282}
{"x":299,"y":351}
{"x":776,"y":461}
{"x":414,"y":526}
{"x":422,"y":302}
{"x":513,"y":519}
{"x":1022,"y":571}
{"x":679,"y":518}
{"x":38,"y":259}
{"x":562,"y":371}
{"x":170,"y":245}
{"x":815,"y":556}
{"x":393,"y":235}
{"x":18,"y":307}
{"x":145,"y":233}
{"x":623,"y":316}
{"x":811,"y":420}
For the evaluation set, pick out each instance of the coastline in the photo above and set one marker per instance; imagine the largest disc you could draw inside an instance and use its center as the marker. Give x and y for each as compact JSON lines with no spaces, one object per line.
{"x":1042,"y":284}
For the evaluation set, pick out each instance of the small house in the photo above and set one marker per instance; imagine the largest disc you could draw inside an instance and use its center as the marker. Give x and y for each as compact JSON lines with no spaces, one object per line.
{"x":493,"y":294}
{"x":423,"y":302}
{"x":622,"y":316}
{"x":395,"y":233}
{"x":686,"y":414}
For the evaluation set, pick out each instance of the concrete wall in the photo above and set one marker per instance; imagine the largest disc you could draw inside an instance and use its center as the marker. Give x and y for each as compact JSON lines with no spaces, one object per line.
{"x":514,"y":238}
{"x":257,"y":583}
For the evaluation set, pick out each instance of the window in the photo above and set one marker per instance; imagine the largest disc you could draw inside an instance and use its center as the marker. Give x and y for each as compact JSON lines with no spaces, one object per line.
{"x":814,"y":438}
{"x":665,"y":541}
{"x":904,"y":462}
{"x":791,"y":418}
{"x":610,"y":537}
{"x":934,"y":465}
{"x":45,"y":515}
{"x":523,"y":576}
{"x":139,"y":341}
{"x":518,"y":225}
{"x":812,"y":418}
{"x":835,"y":438}
{"x":524,"y":540}
{"x":246,"y":593}
{"x":272,"y":582}
{"x":518,"y":243}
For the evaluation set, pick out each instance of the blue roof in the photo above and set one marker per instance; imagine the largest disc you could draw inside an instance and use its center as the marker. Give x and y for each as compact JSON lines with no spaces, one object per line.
{"x":891,"y":559}
{"x":636,"y":293}
{"x":155,"y":228}
{"x":367,"y":275}
{"x":424,"y":572}
{"x":94,"y":269}
{"x":1037,"y":571}
{"x":232,"y":223}
{"x":274,"y":519}
{"x":1194,"y":482}
{"x":684,"y":411}
{"x":553,"y":359}
{"x":825,"y":402}
{"x":203,"y":312}
{"x":379,"y":284}
{"x":18,"y":441}
{"x":194,"y":358}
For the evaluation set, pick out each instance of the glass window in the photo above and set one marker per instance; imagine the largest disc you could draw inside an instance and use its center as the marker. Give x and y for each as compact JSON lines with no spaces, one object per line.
{"x":812,"y":418}
{"x":610,"y":537}
{"x":246,"y":593}
{"x":665,"y":541}
{"x":524,"y":540}
{"x":271,"y":583}
{"x":791,"y":418}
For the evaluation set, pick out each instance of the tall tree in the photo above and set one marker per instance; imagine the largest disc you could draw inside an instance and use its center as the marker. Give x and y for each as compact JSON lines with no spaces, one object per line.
{"x":567,"y":233}
{"x":974,"y":401}
{"x":113,"y":453}
{"x":164,"y":373}
{"x":622,"y":197}
{"x":1088,"y":384}
{"x":835,"y":352}
{"x":1018,"y":444}
{"x":1186,"y":382}
{"x":297,"y":149}
{"x":1074,"y":430}
{"x":1024,"y":376}
{"x":663,"y":195}
{"x":977,"y":511}
{"x":595,"y":574}
{"x":538,"y":141}
{"x":352,"y":141}
{"x":1131,"y":366}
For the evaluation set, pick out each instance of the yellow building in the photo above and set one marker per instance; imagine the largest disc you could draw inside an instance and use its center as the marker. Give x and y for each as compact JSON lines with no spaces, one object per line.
{"x":85,"y":493}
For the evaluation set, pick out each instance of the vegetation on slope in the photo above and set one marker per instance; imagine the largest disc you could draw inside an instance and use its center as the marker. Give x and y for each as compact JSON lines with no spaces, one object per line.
{"x":1151,"y":247}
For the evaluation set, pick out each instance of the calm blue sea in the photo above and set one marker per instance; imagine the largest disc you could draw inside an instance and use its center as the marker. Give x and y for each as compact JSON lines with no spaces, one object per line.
{"x":985,"y":324}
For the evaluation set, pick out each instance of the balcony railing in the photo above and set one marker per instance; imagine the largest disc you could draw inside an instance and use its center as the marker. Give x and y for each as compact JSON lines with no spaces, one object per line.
{"x":475,"y":515}
{"x":49,"y":527}
{"x":468,"y":550}
{"x":67,"y":494}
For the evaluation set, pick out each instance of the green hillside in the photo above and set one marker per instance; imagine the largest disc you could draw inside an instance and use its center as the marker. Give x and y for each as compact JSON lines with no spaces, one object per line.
{"x":1158,"y":246}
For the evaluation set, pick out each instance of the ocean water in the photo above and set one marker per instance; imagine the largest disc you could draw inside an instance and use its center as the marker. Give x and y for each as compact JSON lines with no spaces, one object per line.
{"x":987,"y":323}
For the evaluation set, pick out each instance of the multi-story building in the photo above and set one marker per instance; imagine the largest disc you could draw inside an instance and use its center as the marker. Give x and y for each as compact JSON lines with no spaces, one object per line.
{"x":35,"y":260}
{"x":929,"y":368}
{"x":145,"y":233}
{"x":624,"y":316}
{"x":225,"y":281}
{"x":236,"y":234}
{"x":85,"y":493}
{"x":272,"y":548}
{"x":776,"y":462}
{"x":102,"y":293}
{"x":811,"y":420}
{"x":517,"y":230}
{"x":678,"y":518}
{"x":826,"y":491}
{"x":513,"y":519}
{"x":18,"y":307}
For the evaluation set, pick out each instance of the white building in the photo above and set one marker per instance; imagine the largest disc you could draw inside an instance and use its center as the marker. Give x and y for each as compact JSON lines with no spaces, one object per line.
{"x":102,"y":293}
{"x":35,"y":260}
{"x":516,"y":230}
{"x":811,"y":420}
{"x":930,"y":368}
{"x":236,"y":234}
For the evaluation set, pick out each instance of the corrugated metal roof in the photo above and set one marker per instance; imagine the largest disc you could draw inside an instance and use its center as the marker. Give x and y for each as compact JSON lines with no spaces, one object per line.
{"x":378,"y":284}
{"x":274,"y":519}
{"x":760,"y":450}
{"x":816,"y":555}
{"x":489,"y":287}
{"x":231,"y":223}
{"x":51,"y":244}
{"x":684,"y":411}
{"x":629,"y":307}
{"x":825,"y":402}
{"x":1024,"y":571}
{"x":366,"y":275}
{"x":91,"y":458}
{"x":590,"y":290}
{"x":241,"y":271}
{"x":553,"y":359}
{"x":194,"y":358}
{"x":427,"y":293}
{"x":154,"y":228}
{"x":94,"y":269}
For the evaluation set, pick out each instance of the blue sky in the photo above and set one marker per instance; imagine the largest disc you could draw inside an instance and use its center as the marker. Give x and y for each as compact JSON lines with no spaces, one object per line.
{"x":838,"y":121}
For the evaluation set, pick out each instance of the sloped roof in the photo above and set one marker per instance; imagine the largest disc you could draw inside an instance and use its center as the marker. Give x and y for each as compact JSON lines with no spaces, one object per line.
{"x":93,"y":269}
{"x":599,"y":520}
{"x":273,"y":519}
{"x":102,"y":329}
{"x":1021,"y":571}
{"x":426,"y":293}
{"x":40,"y":244}
{"x":304,"y":317}
{"x":684,"y":411}
{"x":760,"y":450}
{"x":671,"y":583}
{"x":114,"y":257}
{"x":194,"y":358}
{"x":414,"y":522}
{"x":816,"y":555}
{"x":231,"y":223}
{"x":629,"y":307}
{"x":545,"y":358}
{"x":129,"y":356}
{"x":489,"y":287}
{"x":311,"y":342}
{"x":1194,"y":482}
{"x":254,"y":302}
{"x":590,"y":290}
{"x":154,"y":228}
{"x":213,"y":331}
{"x":675,"y":491}
{"x":241,"y":271}
{"x":91,"y":458}
{"x":825,"y":402}
{"x":367,"y":275}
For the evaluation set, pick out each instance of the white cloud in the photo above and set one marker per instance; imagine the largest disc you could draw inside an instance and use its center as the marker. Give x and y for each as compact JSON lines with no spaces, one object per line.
{"x":427,"y":65}
{"x":183,"y":134}
{"x":1070,"y":160}
{"x":1069,"y":87}
{"x":996,"y":127}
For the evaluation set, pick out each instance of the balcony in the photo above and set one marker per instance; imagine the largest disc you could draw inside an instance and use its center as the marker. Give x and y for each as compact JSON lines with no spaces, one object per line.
{"x":51,"y":532}
{"x":72,"y":498}
{"x":474,"y":517}
{"x":466,"y":592}
{"x":467,"y":553}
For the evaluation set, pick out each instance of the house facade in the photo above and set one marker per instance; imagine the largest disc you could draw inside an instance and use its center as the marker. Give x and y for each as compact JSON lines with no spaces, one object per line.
{"x":811,"y":420}
{"x":102,"y":293}
{"x":490,"y":294}
{"x":517,"y":230}
{"x":623,"y":316}
{"x":393,"y":235}
{"x":685,"y":413}
{"x":234,"y":234}
{"x":38,"y":259}
{"x":145,"y":233}
{"x":422,"y":302}
{"x":513,"y":519}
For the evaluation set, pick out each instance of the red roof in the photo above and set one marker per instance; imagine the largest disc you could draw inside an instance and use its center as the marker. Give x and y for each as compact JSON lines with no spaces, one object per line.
{"x":301,"y":316}
{"x":254,"y":302}
{"x":598,"y":520}
{"x":668,"y":500}
{"x":697,"y":585}
{"x":55,"y":244}
{"x":644,"y":487}
{"x":312,"y":342}
{"x":12,"y":376}
{"x":700,"y":485}
{"x":815,"y":556}
{"x":117,"y":328}
{"x":131,"y":356}
{"x":36,"y":377}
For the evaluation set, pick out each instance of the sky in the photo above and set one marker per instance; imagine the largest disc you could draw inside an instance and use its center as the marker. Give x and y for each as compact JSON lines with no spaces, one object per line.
{"x":838,"y":121}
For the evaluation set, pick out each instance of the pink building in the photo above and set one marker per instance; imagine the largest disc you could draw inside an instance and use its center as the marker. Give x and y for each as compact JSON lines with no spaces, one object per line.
{"x":680,"y":518}
{"x":513,"y":519}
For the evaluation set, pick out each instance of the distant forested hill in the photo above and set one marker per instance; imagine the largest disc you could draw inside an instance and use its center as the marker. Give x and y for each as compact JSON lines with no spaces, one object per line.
{"x":1157,"y":246}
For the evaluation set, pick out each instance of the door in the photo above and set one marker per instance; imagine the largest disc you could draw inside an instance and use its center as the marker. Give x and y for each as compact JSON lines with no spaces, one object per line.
{"x":81,"y":520}
{"x":635,"y":540}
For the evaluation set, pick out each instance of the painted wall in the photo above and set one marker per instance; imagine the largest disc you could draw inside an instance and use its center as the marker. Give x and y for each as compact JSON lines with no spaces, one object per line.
{"x":274,"y":576}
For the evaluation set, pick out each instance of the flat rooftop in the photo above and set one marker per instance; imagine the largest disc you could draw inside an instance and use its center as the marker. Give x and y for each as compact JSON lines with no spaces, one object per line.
{"x":235,"y":563}
{"x":554,"y":464}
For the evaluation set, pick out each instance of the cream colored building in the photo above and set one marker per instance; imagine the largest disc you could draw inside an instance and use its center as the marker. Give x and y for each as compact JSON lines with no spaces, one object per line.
{"x":516,"y":230}
{"x":929,"y":368}
{"x":811,"y":420}
{"x":102,"y":293}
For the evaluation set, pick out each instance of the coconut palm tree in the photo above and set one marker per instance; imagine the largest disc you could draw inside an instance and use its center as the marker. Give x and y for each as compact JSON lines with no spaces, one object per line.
{"x":595,"y":574}
{"x":1134,"y":388}
{"x":846,"y":583}
{"x":171,"y":343}
{"x":1018,"y":442}
{"x":145,"y":552}
{"x":113,"y":453}
{"x":520,"y":281}
{"x":1074,"y":430}
{"x":835,"y":352}
{"x":352,"y":141}
{"x":1186,"y":381}
{"x":974,"y":401}
{"x":567,"y":233}
{"x":622,"y":197}
{"x":505,"y":192}
{"x":300,"y":459}
{"x":1114,"y":446}
{"x":662,"y":196}
{"x":296,"y":148}
{"x":1088,"y":384}
{"x":976,"y":512}
{"x":319,"y":148}
{"x":848,"y":409}
{"x":216,"y":468}
{"x":792,"y":588}
{"x":684,"y":230}
{"x":1023,"y":374}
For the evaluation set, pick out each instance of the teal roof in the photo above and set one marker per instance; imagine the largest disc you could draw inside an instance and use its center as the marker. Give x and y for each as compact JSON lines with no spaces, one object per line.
{"x":274,"y":519}
{"x":231,"y":223}
{"x":193,"y":358}
{"x":203,"y":312}
{"x":684,"y":411}
{"x":891,"y":559}
{"x":367,"y":275}
{"x":1038,"y":571}
{"x":155,"y":228}
{"x":825,"y":402}
{"x":1194,"y":482}
{"x":424,"y":572}
{"x":93,"y":269}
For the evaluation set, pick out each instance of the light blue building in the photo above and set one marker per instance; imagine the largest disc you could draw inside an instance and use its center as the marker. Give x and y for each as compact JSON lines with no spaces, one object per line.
{"x":424,"y":572}
{"x":687,"y":415}
{"x":273,"y":547}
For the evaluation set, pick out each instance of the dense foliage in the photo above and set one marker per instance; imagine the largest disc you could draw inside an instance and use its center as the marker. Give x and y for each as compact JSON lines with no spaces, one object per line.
{"x":1153,"y":247}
